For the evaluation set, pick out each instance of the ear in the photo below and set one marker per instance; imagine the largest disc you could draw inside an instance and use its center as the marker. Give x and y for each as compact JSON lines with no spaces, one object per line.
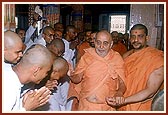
{"x":36,"y":70}
{"x":147,"y":38}
{"x":54,"y":75}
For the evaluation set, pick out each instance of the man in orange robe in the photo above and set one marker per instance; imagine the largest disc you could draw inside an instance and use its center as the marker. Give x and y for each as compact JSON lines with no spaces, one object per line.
{"x":144,"y":72}
{"x":86,"y":44}
{"x":100,"y":73}
{"x":120,"y":48}
{"x":80,"y":49}
{"x":117,"y":45}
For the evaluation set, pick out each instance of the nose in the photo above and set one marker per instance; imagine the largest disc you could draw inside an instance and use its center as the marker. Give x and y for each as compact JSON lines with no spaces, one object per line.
{"x":102,"y":46}
{"x":136,"y":38}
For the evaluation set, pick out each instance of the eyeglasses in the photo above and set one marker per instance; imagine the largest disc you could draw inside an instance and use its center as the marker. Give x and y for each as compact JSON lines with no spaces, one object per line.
{"x":50,"y":35}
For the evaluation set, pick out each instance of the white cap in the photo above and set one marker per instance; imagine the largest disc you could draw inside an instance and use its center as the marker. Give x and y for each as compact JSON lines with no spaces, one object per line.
{"x":38,"y":11}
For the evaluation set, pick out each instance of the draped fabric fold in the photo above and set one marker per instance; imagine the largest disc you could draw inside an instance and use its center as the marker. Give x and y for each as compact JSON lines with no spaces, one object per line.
{"x":100,"y":78}
{"x":138,"y":68}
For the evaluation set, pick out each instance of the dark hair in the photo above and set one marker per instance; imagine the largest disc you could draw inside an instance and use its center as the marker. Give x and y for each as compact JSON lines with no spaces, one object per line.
{"x":58,"y":24}
{"x":18,"y":29}
{"x":68,"y":27}
{"x":47,"y":28}
{"x":139,"y":27}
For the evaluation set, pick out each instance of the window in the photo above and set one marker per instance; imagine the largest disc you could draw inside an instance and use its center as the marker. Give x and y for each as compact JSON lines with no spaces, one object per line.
{"x":118,"y":23}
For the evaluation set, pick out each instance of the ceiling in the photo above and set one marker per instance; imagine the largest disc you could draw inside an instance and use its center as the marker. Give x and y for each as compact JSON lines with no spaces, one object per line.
{"x":22,"y":9}
{"x":98,"y":8}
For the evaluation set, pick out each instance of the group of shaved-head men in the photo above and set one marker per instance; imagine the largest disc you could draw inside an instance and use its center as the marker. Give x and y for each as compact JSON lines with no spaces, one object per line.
{"x":32,"y":66}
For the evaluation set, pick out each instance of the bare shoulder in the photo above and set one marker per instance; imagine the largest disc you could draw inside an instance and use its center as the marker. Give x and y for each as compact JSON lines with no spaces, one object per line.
{"x":156,"y":79}
{"x":127,"y":53}
{"x":158,"y":72}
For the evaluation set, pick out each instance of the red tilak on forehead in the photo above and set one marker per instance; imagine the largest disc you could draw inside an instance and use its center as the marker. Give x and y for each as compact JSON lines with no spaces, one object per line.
{"x":135,"y":31}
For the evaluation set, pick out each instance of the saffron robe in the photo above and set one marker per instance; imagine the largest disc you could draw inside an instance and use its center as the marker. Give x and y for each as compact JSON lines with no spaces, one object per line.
{"x":138,"y":67}
{"x":120,"y":48}
{"x":100,"y":79}
{"x":80,"y":49}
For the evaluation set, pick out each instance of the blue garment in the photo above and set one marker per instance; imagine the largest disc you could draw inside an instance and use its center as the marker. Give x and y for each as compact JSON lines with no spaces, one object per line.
{"x":58,"y":98}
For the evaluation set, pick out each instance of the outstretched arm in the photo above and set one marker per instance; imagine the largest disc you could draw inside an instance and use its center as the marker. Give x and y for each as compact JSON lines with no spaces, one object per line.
{"x":118,"y":98}
{"x":76,"y":78}
{"x":154,"y":82}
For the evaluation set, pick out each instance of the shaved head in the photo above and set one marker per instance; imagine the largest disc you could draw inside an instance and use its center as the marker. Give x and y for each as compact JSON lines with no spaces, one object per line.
{"x":13,"y":47}
{"x":36,"y":63}
{"x":57,"y":47}
{"x":47,"y":29}
{"x":61,"y":66}
{"x":48,"y":34}
{"x":104,"y":33}
{"x":37,"y":54}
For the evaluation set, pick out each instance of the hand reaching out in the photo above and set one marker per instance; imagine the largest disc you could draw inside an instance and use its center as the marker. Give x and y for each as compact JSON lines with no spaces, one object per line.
{"x":71,"y":70}
{"x":115,"y":101}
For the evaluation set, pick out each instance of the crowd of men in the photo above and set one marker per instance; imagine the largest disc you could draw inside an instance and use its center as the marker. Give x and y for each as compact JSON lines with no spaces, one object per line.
{"x":66,"y":70}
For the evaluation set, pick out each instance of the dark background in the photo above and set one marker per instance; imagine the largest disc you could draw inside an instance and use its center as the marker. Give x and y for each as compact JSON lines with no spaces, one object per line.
{"x":94,"y":11}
